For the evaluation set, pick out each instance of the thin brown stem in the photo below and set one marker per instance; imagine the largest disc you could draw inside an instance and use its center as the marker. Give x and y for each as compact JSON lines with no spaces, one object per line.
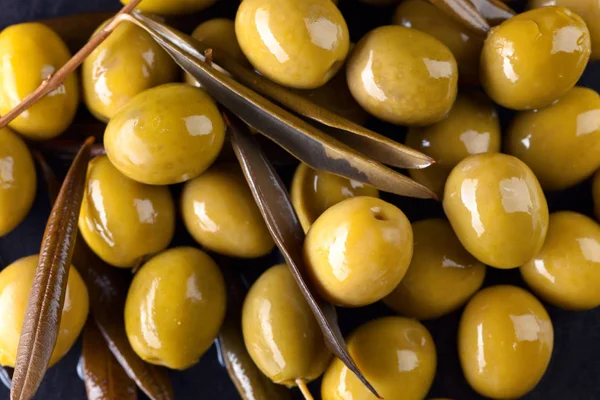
{"x":304,"y":389}
{"x":55,"y":80}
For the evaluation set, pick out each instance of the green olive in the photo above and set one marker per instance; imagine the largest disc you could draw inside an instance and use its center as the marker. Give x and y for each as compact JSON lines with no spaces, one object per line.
{"x":471,"y":127}
{"x":300,"y":44}
{"x":497,"y":209}
{"x":403,"y":76}
{"x":567,"y":133}
{"x":396,"y":355}
{"x":123,"y":220}
{"x":15,"y":285}
{"x":439,"y":262}
{"x":165,"y":135}
{"x":357,"y":251}
{"x":505,"y":341}
{"x":17,"y":181}
{"x":280,"y":331}
{"x":463,"y":43}
{"x":313,"y":192}
{"x":128,"y":62}
{"x":566,"y":272}
{"x":29,"y":53}
{"x":175,"y":307}
{"x":220,"y":213}
{"x":532,"y":59}
{"x":173,"y":6}
{"x":596,"y":194}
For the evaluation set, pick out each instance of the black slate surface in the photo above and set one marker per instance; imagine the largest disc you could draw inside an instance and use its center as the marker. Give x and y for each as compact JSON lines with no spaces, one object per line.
{"x":573,"y":373}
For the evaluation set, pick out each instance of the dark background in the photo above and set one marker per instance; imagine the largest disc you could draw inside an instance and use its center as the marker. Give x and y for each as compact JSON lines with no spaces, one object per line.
{"x":574,"y":372}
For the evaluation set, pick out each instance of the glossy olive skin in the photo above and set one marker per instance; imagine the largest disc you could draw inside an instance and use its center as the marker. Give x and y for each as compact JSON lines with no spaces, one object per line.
{"x":313,"y":192}
{"x":397,"y":356}
{"x":588,"y":10}
{"x":357,"y":251}
{"x":596,"y":194}
{"x":567,"y":132}
{"x":29,"y":53}
{"x":170,"y":7}
{"x":441,"y":277}
{"x":471,"y":127}
{"x":403,"y":76}
{"x":220,"y":213}
{"x":300,"y":44}
{"x":15,"y":284}
{"x":175,"y":307}
{"x":464,"y":44}
{"x":566,"y":272}
{"x":497,"y":209}
{"x":517,"y":54}
{"x":128,"y":62}
{"x":18,"y":180}
{"x":165,"y":135}
{"x":280,"y":331}
{"x":123,"y":220}
{"x":505,"y":341}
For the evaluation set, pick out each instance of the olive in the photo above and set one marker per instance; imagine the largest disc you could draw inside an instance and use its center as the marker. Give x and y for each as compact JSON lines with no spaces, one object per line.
{"x":280,"y":331}
{"x":596,"y":194}
{"x":220,"y":213}
{"x":497,"y":209}
{"x":175,"y":307}
{"x":173,"y":6}
{"x":300,"y":44}
{"x":441,"y":277}
{"x":505,"y":341}
{"x":15,"y":283}
{"x":396,"y":355}
{"x":128,"y":62}
{"x":533,"y":58}
{"x":567,"y":133}
{"x":313,"y":192}
{"x":566,"y":272}
{"x":17,"y":181}
{"x":29,"y":53}
{"x":357,"y":251}
{"x":462,"y":42}
{"x":123,"y":220}
{"x":471,"y":127}
{"x":403,"y":76}
{"x":165,"y":135}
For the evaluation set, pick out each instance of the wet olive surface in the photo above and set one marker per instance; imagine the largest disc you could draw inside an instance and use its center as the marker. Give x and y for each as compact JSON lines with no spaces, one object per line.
{"x":574,"y":367}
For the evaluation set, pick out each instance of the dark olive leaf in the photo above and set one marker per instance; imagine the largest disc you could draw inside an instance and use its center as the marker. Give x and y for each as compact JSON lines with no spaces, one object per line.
{"x":6,"y":374}
{"x":47,"y":295}
{"x":277,"y":210}
{"x":494,"y":11}
{"x":465,"y":13}
{"x":298,"y":137}
{"x":104,"y":378}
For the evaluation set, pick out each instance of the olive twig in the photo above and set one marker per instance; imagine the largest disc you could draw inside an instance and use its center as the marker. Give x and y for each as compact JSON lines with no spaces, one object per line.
{"x":304,"y":389}
{"x":55,"y":80}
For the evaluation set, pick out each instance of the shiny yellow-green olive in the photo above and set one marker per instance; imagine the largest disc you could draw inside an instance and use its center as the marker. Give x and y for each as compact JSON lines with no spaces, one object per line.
{"x":123,"y":220}
{"x":29,"y":53}
{"x":403,"y":76}
{"x":17,"y":180}
{"x":596,"y":194}
{"x":396,"y":355}
{"x":15,"y":284}
{"x":497,"y":209}
{"x":357,"y":251}
{"x":280,"y":331}
{"x":566,"y":272}
{"x":441,"y":277}
{"x":531,"y":60}
{"x":505,"y":341}
{"x":169,"y":7}
{"x":220,"y":213}
{"x":128,"y":62}
{"x":165,"y":135}
{"x":175,"y":307}
{"x":313,"y":192}
{"x":560,"y":143}
{"x":300,"y":44}
{"x":471,"y":127}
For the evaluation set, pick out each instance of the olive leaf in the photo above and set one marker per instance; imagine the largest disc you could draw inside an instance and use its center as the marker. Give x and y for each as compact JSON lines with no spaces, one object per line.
{"x":6,"y":376}
{"x":494,"y":11}
{"x":47,"y":295}
{"x":277,"y":210}
{"x":465,"y":13}
{"x":103,"y":376}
